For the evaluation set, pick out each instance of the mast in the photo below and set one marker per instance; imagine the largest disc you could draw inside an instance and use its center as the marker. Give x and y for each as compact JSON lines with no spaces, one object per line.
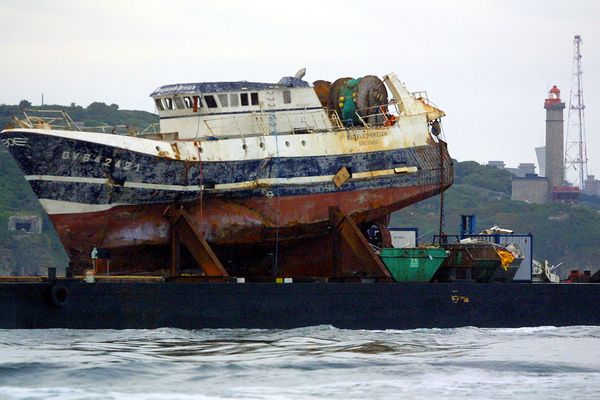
{"x":575,"y":150}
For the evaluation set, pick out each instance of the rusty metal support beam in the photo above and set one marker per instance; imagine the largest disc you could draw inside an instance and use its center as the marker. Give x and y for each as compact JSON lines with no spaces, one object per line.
{"x":175,"y":251}
{"x":184,"y":232}
{"x":346,"y":233}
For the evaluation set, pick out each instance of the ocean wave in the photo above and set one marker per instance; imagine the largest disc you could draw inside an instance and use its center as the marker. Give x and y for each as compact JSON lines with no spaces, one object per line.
{"x":304,"y":363}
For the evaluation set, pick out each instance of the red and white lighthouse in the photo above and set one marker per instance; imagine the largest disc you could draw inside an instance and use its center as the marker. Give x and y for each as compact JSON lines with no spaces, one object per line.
{"x":554,"y":140}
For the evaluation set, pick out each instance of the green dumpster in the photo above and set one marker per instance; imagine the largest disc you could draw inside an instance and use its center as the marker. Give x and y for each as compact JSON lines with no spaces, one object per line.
{"x":413,"y":264}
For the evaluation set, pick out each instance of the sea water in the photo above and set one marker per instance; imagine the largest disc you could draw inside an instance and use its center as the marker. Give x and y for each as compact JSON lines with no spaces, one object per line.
{"x":309,"y":363}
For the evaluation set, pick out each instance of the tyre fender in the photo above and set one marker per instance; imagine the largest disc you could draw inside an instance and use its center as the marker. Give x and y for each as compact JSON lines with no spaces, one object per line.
{"x":59,"y":295}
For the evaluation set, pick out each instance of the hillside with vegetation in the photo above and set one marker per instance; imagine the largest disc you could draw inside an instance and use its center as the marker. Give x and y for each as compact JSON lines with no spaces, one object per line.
{"x":24,"y":253}
{"x":562,"y":233}
{"x":95,"y":114}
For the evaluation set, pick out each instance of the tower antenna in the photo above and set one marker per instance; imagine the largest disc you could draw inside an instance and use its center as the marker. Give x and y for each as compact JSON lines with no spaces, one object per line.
{"x":575,"y":149}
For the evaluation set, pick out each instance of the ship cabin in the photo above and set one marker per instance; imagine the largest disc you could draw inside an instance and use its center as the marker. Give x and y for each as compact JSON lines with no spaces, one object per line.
{"x":218,"y":110}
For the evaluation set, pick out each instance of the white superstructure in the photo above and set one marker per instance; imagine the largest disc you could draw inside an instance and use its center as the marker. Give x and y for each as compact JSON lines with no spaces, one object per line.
{"x":226,"y":109}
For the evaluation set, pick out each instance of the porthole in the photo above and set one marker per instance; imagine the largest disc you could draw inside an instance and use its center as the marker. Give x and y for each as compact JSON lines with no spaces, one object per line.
{"x":287,"y":144}
{"x":304,"y":143}
{"x":245,"y":147}
{"x":262,"y":145}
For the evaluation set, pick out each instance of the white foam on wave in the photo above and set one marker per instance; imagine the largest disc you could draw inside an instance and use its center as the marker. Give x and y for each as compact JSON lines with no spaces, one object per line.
{"x":65,"y":393}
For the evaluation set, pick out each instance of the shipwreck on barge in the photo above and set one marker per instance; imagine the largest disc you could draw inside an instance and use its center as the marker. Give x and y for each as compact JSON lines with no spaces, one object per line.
{"x":244,"y":178}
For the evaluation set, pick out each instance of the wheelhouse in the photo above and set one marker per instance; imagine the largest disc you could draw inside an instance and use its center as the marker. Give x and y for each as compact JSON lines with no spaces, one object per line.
{"x":227,"y":109}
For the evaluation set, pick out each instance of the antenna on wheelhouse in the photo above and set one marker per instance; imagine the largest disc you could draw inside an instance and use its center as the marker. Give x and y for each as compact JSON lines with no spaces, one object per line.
{"x":300,"y":74}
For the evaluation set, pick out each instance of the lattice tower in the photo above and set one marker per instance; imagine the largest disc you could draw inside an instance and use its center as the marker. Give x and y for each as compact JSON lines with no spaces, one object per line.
{"x":576,"y":168}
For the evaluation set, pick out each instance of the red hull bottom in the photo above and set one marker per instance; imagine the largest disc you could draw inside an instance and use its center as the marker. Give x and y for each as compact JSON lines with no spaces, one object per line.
{"x":256,"y":236}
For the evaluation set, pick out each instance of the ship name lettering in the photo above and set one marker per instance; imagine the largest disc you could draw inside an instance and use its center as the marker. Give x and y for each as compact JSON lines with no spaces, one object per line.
{"x":103,"y":161}
{"x":371,"y":137}
{"x":368,"y":142}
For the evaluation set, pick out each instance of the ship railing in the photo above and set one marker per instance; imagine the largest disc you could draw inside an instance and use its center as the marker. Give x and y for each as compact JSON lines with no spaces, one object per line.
{"x":377,"y":116}
{"x":422,"y":96}
{"x":445,"y":239}
{"x":335,"y":119}
{"x":46,"y":119}
{"x":59,"y":119}
{"x":369,"y":117}
{"x":151,"y":129}
{"x":260,"y":123}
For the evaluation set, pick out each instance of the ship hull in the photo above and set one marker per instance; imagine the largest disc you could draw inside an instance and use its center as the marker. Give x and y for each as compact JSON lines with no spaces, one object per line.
{"x":139,"y":236}
{"x":113,"y":192}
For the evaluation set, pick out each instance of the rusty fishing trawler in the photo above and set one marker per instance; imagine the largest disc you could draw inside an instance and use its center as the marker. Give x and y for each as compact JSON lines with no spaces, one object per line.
{"x":251,"y":178}
{"x":253,"y":206}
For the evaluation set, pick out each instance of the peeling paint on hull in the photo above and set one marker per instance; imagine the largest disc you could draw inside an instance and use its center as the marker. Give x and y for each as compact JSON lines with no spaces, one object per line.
{"x":101,"y":195}
{"x":134,"y":232}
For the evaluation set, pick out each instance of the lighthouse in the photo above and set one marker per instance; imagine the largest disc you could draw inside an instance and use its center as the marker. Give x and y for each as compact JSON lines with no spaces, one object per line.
{"x":552,"y":187}
{"x":554,"y":140}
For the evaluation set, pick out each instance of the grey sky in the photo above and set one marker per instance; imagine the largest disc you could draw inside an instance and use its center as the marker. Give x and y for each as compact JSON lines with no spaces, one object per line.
{"x":488,"y":64}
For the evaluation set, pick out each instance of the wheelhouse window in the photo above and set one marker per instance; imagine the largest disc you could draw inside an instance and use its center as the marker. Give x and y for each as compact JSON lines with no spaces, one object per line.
{"x":244,"y":99}
{"x":254,"y":98}
{"x":168,"y":103}
{"x":224,"y":100}
{"x":179,"y":102}
{"x":159,"y":105}
{"x":210,"y":101}
{"x":188,"y":102}
{"x":197,"y":103}
{"x":287,"y":97}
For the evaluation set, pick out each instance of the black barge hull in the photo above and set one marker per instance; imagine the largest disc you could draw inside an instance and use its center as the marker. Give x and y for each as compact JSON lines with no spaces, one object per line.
{"x":79,"y":305}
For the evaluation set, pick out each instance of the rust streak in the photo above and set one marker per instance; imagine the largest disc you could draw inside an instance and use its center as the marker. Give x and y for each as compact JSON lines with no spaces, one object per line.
{"x":176,"y":151}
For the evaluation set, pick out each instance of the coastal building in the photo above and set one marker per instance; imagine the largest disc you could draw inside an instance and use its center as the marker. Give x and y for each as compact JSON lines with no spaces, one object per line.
{"x":540,"y":153}
{"x":592,"y":186}
{"x":531,"y":189}
{"x":497,"y":164}
{"x":521,"y":171}
{"x":25,"y":223}
{"x":525,"y":169}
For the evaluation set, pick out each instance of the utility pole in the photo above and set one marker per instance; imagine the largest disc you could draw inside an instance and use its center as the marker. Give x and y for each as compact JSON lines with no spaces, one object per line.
{"x":575,"y":150}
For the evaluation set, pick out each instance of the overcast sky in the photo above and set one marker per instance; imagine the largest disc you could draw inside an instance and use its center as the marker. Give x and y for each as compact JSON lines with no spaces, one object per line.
{"x":488,"y":64}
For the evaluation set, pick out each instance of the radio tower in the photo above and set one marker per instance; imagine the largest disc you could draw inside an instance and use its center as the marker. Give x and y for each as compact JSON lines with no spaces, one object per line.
{"x":575,"y":149}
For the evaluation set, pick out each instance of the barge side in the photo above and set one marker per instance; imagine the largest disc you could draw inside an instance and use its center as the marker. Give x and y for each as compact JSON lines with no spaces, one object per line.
{"x":75,"y":304}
